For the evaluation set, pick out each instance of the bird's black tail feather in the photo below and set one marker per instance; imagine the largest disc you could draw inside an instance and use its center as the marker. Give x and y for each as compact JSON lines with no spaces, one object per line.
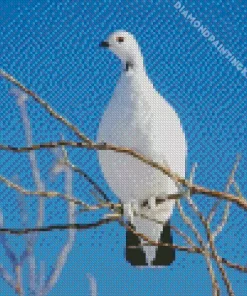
{"x":165,"y":255}
{"x":136,"y":256}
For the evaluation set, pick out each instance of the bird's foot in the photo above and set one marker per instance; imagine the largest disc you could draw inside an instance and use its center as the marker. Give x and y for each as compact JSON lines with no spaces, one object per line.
{"x":103,"y":143}
{"x":131,"y":209}
{"x":152,"y":203}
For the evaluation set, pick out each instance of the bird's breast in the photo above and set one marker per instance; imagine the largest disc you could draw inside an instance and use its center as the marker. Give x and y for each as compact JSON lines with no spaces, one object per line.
{"x":128,"y":119}
{"x":132,"y":120}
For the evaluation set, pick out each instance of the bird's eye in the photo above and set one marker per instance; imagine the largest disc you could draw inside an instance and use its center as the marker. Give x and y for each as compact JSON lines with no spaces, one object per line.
{"x":120,"y":39}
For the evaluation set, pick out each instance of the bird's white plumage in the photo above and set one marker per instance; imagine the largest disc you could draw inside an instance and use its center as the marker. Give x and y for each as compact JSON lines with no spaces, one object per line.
{"x":138,"y":117}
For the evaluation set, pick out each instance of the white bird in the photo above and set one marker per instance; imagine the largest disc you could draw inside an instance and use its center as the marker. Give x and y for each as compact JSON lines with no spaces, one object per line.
{"x":138,"y":117}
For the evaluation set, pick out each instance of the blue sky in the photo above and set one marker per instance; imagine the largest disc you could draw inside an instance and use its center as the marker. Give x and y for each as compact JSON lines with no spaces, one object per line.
{"x":52,"y":47}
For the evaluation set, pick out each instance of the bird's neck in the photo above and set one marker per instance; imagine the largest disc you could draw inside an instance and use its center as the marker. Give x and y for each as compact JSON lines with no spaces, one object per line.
{"x":133,"y":64}
{"x":128,"y":66}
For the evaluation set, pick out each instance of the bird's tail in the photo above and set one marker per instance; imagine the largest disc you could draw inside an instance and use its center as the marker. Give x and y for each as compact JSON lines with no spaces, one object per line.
{"x":165,"y":255}
{"x":136,"y":256}
{"x":134,"y":252}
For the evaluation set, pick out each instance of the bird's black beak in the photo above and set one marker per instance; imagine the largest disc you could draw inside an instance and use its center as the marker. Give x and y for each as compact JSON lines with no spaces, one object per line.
{"x":104,"y":44}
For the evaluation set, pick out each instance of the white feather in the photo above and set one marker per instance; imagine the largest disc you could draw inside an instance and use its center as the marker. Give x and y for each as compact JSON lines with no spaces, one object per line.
{"x":138,"y":117}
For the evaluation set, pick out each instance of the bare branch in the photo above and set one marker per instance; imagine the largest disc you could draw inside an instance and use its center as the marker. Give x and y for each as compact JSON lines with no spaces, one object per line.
{"x":77,"y":226}
{"x":189,"y":223}
{"x":211,"y":238}
{"x":230,"y":181}
{"x":204,"y":246}
{"x":62,"y":258}
{"x":44,"y":105}
{"x":208,"y":250}
{"x":30,"y":239}
{"x":115,"y":218}
{"x":241,"y":202}
{"x":4,"y":241}
{"x":54,"y":194}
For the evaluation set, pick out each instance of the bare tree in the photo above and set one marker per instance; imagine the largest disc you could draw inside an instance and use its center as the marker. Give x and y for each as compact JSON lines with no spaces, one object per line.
{"x":37,"y":284}
{"x":194,"y":240}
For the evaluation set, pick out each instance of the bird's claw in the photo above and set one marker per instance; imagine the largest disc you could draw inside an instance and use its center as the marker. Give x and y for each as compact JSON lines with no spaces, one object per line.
{"x":130,"y":209}
{"x":152,"y":203}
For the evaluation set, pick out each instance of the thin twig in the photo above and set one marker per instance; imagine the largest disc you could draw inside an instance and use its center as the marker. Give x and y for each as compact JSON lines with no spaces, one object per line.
{"x":93,"y":285}
{"x":7,"y":277}
{"x":218,"y":261}
{"x":55,"y":194}
{"x":188,"y":195}
{"x":182,"y":234}
{"x":226,"y":212}
{"x":41,"y":280}
{"x":48,"y":194}
{"x":189,"y":223}
{"x":89,"y":179}
{"x":151,"y":242}
{"x":210,"y":247}
{"x":234,"y":265}
{"x":178,"y":231}
{"x":230,"y":181}
{"x":19,"y":283}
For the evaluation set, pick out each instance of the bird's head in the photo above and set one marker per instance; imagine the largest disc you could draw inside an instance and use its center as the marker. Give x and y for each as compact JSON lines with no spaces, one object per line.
{"x":124,"y":45}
